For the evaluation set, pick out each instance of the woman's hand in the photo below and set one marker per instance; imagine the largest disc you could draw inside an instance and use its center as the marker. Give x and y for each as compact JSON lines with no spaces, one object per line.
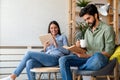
{"x":46,"y":44}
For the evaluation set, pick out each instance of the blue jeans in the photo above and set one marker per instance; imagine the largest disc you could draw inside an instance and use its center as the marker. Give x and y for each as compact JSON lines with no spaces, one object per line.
{"x":95,"y":62}
{"x":33,"y":60}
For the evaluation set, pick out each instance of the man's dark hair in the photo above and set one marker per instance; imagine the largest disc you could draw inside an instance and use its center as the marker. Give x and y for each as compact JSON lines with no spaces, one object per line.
{"x":90,"y":9}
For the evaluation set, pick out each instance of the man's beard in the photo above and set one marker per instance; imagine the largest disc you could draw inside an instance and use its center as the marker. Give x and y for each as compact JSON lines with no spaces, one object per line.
{"x":91,"y":25}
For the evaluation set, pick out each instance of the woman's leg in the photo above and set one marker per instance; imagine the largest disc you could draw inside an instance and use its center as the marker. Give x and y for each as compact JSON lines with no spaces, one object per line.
{"x":20,"y":67}
{"x":66,"y":62}
{"x":38,"y":61}
{"x":29,"y":65}
{"x":42,"y":58}
{"x":22,"y":64}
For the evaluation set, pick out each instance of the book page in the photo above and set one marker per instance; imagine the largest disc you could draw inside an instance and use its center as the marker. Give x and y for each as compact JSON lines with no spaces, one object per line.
{"x":75,"y":49}
{"x":46,"y":37}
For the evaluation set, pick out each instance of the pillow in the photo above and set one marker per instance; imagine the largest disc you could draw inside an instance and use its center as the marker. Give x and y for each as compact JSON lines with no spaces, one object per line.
{"x":116,"y":54}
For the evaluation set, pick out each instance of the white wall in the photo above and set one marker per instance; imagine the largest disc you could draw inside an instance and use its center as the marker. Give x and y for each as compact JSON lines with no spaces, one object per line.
{"x":22,"y":21}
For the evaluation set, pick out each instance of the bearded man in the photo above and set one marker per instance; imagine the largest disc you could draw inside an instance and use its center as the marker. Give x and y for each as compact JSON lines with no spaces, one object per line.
{"x":100,"y":39}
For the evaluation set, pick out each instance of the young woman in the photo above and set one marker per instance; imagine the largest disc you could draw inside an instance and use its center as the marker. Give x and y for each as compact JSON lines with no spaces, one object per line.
{"x":52,"y":52}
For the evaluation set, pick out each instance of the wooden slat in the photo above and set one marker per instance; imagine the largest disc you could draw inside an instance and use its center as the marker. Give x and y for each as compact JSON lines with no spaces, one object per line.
{"x":19,"y":47}
{"x":70,"y":22}
{"x":10,"y":57}
{"x":13,"y":47}
{"x":12,"y":51}
{"x":16,"y":51}
{"x":8,"y":70}
{"x":8,"y":64}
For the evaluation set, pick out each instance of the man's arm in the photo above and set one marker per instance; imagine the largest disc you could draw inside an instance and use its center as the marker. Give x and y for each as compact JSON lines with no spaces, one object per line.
{"x":109,"y":41}
{"x":106,"y":54}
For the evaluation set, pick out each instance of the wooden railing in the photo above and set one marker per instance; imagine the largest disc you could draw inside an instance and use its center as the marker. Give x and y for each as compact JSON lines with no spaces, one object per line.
{"x":10,"y":56}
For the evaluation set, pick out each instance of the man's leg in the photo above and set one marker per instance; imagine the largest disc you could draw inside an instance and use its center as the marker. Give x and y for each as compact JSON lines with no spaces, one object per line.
{"x":95,"y":62}
{"x":66,"y":62}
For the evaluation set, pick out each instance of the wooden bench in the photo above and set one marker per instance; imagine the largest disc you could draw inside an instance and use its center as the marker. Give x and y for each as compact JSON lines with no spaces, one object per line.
{"x":48,"y":70}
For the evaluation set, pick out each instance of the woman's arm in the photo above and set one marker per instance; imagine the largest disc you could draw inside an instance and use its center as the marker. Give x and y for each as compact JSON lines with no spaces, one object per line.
{"x":46,"y":44}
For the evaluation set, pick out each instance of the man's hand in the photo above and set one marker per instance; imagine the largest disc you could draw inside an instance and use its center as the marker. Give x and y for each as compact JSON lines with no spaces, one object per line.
{"x":106,"y":54}
{"x":77,"y":43}
{"x":83,"y":55}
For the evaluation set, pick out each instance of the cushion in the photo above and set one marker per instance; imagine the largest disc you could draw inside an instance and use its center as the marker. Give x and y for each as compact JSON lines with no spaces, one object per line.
{"x":116,"y":54}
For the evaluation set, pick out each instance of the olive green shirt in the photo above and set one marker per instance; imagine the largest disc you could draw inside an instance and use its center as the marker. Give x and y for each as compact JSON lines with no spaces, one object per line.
{"x":102,"y":39}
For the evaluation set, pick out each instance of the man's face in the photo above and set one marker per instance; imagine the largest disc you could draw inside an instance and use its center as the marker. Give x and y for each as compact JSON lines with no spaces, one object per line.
{"x":91,"y":20}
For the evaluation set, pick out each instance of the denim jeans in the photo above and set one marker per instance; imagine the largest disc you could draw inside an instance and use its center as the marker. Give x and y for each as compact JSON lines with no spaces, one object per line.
{"x":95,"y":62}
{"x":33,"y":60}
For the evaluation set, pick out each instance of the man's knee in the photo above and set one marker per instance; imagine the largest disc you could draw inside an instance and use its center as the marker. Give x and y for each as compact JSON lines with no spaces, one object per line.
{"x":96,"y":62}
{"x":99,"y":56}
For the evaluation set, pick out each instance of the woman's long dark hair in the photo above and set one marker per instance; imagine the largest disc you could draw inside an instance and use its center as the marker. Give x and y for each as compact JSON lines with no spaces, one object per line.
{"x":54,"y":22}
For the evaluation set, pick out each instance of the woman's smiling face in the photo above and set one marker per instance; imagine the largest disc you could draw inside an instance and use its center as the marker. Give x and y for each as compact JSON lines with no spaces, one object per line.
{"x":54,"y":29}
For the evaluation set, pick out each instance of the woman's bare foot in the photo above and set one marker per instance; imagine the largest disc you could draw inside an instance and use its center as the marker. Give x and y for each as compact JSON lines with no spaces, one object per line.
{"x":13,"y":76}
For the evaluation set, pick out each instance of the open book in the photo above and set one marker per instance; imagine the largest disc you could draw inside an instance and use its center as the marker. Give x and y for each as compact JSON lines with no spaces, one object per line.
{"x":75,"y":49}
{"x":46,"y":37}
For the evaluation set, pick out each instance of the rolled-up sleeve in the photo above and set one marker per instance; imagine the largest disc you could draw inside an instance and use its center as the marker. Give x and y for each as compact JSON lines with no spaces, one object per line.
{"x":109,"y":40}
